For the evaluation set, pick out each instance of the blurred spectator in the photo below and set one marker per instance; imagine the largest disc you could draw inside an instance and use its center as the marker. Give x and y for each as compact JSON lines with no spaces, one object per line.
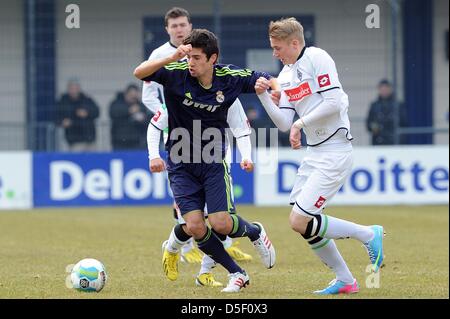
{"x":381,"y":120}
{"x":76,"y":114}
{"x":130,"y":119}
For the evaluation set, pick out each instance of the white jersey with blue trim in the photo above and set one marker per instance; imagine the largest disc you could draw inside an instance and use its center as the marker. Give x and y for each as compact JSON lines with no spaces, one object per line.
{"x":302,"y":83}
{"x":152,"y":92}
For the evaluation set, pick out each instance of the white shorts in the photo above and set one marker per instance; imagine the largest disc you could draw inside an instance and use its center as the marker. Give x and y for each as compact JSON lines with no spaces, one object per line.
{"x":319,"y":177}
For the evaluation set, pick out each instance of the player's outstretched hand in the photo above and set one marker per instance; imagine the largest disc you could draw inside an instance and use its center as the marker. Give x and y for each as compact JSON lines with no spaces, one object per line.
{"x":157,"y":165}
{"x":247,"y":165}
{"x":262,"y":85}
{"x":295,"y":138}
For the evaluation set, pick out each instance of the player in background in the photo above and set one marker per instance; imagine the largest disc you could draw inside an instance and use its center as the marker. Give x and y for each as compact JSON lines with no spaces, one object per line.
{"x":178,"y":26}
{"x":198,"y":94}
{"x":310,"y":87}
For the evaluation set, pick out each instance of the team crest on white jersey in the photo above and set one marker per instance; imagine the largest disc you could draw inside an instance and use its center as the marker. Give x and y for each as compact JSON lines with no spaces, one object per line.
{"x":321,"y":132}
{"x":220,"y":97}
{"x":299,"y":75}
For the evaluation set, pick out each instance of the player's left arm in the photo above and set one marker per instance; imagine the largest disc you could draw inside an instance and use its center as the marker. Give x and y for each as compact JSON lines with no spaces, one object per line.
{"x":240,"y":127}
{"x":326,"y":78}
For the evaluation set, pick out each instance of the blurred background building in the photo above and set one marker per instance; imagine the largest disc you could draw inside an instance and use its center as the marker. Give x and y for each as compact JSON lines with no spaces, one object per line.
{"x":39,"y":54}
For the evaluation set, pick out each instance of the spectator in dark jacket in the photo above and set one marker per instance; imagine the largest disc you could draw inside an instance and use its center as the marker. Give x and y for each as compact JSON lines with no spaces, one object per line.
{"x":76,"y":114}
{"x":130,"y":119}
{"x":381,"y":120}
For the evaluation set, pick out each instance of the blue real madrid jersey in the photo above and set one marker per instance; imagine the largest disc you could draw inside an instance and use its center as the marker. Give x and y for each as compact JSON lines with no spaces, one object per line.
{"x":196,"y":109}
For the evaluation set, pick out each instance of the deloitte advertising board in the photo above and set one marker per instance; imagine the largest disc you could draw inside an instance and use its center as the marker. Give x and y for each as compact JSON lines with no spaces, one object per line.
{"x":15,"y":180}
{"x":106,"y":179}
{"x":380,"y":176}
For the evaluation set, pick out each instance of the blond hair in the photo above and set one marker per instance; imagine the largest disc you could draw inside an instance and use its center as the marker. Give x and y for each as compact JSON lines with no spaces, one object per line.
{"x":286,"y":28}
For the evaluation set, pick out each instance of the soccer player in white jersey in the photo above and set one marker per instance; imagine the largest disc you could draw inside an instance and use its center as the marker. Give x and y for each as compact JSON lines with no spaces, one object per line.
{"x":310,"y":87}
{"x":178,"y":26}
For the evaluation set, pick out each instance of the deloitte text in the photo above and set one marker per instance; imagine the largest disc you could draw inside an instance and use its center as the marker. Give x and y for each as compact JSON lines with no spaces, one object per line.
{"x":68,"y":181}
{"x":388,"y":176}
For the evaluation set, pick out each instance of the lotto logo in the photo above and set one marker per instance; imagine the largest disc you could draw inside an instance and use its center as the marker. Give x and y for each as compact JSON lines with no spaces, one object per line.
{"x":299,"y":92}
{"x":156,"y":116}
{"x":320,"y":202}
{"x":324,"y":80}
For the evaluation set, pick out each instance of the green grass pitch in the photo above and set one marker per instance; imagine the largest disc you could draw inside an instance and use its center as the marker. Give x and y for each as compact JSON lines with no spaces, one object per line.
{"x":36,"y":247}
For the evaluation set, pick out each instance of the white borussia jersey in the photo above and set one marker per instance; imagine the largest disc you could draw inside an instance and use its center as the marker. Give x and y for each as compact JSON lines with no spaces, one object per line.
{"x":301,"y":84}
{"x":151,"y":91}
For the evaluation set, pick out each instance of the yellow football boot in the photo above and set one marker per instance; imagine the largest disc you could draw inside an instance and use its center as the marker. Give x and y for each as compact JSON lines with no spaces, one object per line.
{"x":193,"y":256}
{"x":207,"y":280}
{"x":170,"y":263}
{"x":237,"y":254}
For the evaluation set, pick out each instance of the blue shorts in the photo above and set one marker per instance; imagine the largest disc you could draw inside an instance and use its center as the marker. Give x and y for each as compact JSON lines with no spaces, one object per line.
{"x":196,"y":184}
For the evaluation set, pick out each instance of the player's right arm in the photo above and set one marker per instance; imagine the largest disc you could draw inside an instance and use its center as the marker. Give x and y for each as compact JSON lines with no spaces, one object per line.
{"x":240,"y":127}
{"x":149,"y":67}
{"x":283,"y":114}
{"x":157,"y":124}
{"x":150,"y":96}
{"x":151,"y":89}
{"x":156,"y":162}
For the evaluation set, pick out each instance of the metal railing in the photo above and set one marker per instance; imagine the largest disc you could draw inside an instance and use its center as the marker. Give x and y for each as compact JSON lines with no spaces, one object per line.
{"x":49,"y":137}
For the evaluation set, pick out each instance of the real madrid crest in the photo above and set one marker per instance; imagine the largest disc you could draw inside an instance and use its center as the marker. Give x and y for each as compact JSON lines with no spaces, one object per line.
{"x":220,"y":97}
{"x":299,"y":75}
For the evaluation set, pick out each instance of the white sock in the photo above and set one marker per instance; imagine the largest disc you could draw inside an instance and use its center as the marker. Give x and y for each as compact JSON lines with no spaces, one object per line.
{"x":207,"y":265}
{"x":174,"y":244}
{"x":335,"y":228}
{"x":188,"y":246}
{"x":227,"y":242}
{"x":330,"y":256}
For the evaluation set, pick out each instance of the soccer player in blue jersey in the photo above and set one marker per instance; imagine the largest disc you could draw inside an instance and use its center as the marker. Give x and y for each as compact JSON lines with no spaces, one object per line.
{"x":178,"y":26}
{"x":198,"y":93}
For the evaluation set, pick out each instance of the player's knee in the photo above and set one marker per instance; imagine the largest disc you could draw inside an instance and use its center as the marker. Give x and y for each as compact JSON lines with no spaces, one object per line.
{"x":222,"y":227}
{"x":221,"y":223}
{"x":196,"y":228}
{"x":298,"y":223}
{"x":186,"y":230}
{"x":312,"y":227}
